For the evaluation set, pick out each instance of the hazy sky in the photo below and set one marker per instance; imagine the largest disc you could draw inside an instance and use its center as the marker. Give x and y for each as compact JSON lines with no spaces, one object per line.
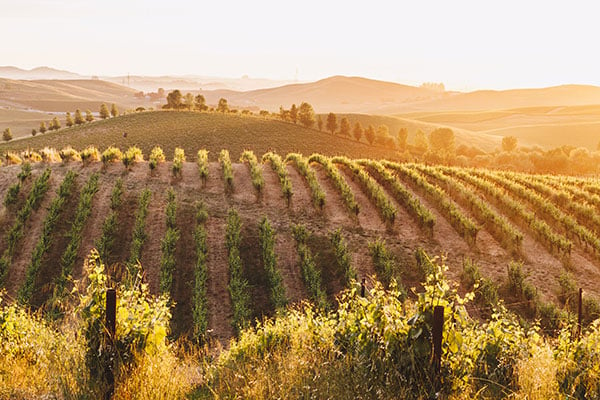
{"x":465,"y":44}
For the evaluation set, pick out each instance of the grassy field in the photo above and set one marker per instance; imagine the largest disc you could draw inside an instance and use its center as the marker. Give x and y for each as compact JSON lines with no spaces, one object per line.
{"x":191,"y":131}
{"x":483,"y":140}
{"x":64,"y":95}
{"x":548,"y":126}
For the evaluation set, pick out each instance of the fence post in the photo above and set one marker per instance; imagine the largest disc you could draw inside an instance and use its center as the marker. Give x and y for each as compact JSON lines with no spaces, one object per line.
{"x":579,"y":312}
{"x":362,"y":288}
{"x":436,"y":332}
{"x":111,"y":314}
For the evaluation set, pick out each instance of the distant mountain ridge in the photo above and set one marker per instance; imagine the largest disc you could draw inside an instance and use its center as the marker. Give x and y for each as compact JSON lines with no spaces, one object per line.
{"x":16,"y":73}
{"x":338,"y":94}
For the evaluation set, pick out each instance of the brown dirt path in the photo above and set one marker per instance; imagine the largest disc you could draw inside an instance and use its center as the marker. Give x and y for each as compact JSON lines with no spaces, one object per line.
{"x":219,"y":302}
{"x":271,"y":193}
{"x":301,"y":204}
{"x":243,"y":190}
{"x":335,"y":211}
{"x":287,"y":263}
{"x":155,"y":230}
{"x":100,"y":208}
{"x":369,"y":216}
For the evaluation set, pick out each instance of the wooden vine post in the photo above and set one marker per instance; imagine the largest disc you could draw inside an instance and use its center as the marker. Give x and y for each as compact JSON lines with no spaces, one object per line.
{"x":111,"y":314}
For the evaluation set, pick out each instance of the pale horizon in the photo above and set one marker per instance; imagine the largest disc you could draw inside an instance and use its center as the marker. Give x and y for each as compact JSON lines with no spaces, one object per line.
{"x":466,"y":45}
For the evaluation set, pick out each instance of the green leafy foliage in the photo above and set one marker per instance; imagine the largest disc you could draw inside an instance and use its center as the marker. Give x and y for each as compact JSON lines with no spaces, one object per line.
{"x":67,"y":261}
{"x":168,"y":245}
{"x":178,"y":160}
{"x":310,"y":273}
{"x":269,"y":258}
{"x":111,"y":154}
{"x":131,"y":156}
{"x":342,"y":256}
{"x":238,"y":285}
{"x":13,"y":190}
{"x":200,"y":299}
{"x":555,"y":242}
{"x":45,"y":241}
{"x":105,"y":244}
{"x":303,"y":166}
{"x":156,"y":156}
{"x":202,"y":162}
{"x":338,"y":181}
{"x":142,"y":321}
{"x":16,"y":232}
{"x":374,"y":190}
{"x":502,"y":230}
{"x":463,"y":224}
{"x":385,"y":264}
{"x":284,"y":179}
{"x":139,"y":232}
{"x":89,"y":154}
{"x":255,"y":169}
{"x":227,"y":169}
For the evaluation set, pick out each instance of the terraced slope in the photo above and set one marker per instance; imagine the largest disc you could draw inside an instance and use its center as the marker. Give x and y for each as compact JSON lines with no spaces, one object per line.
{"x":549,"y":223}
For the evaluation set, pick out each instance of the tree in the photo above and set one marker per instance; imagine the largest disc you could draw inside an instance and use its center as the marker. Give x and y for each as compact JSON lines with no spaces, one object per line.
{"x":402,"y":138}
{"x":284,"y":114}
{"x":509,"y":143}
{"x":200,"y":103}
{"x":421,"y":141}
{"x":189,"y":101}
{"x":42,"y":127}
{"x":223,"y":106}
{"x":104,"y":113}
{"x":370,"y":134}
{"x":331,"y":123}
{"x":33,"y":132}
{"x":294,"y":113}
{"x":88,"y":116}
{"x":78,"y":117}
{"x":345,"y":127}
{"x":382,"y":135}
{"x":306,"y":115}
{"x":114,"y":111}
{"x":55,"y":124}
{"x":7,"y":135}
{"x":357,"y":131}
{"x":441,"y":141}
{"x":174,"y":100}
{"x":68,"y":121}
{"x":320,"y":123}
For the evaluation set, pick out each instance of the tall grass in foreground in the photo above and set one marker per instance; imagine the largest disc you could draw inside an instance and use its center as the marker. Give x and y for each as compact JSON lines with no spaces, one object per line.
{"x":373,"y":347}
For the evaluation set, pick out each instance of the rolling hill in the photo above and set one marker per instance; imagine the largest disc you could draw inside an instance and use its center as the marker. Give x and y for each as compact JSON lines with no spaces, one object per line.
{"x":64,"y":95}
{"x":338,"y":94}
{"x":547,"y":126}
{"x":482,"y":216}
{"x":191,"y":130}
{"x":16,"y":73}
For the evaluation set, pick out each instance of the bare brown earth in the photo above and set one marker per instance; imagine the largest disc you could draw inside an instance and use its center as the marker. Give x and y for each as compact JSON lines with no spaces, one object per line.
{"x":402,"y":238}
